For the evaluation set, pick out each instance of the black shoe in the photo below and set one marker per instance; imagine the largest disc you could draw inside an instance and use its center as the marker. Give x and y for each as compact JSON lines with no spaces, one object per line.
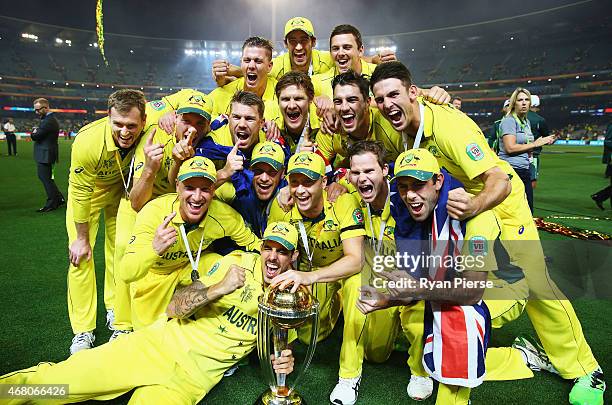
{"x":60,"y":203}
{"x":598,"y":202}
{"x":46,"y":209}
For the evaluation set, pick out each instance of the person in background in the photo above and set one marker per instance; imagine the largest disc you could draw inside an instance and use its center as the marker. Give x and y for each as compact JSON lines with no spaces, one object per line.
{"x":606,"y":193}
{"x":539,"y":128}
{"x":456,"y":102}
{"x":46,"y":153}
{"x":517,"y":143}
{"x":11,"y":140}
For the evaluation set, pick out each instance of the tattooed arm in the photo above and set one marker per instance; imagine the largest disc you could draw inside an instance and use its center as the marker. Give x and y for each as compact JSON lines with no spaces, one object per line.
{"x":188,"y":300}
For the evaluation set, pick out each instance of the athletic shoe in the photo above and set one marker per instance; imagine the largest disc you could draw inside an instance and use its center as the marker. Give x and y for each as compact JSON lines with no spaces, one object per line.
{"x":346,"y":391}
{"x":82,"y":341}
{"x":588,"y":389}
{"x":534,"y":355}
{"x":117,"y":333}
{"x":230,"y":371}
{"x":110,"y":319}
{"x":419,"y":388}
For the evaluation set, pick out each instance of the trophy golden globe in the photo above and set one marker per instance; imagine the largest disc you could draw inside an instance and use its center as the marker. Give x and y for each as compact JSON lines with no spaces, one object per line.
{"x":280,"y":311}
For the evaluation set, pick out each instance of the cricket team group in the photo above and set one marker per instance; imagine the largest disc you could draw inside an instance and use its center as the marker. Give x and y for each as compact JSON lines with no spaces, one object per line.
{"x":303,"y":170}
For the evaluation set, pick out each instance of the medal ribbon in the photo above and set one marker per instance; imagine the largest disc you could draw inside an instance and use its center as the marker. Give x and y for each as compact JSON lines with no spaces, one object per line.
{"x":194,"y":264}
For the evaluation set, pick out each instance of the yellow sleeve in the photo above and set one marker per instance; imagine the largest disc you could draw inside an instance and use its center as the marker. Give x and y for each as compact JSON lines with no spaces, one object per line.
{"x":278,"y":66}
{"x":481,"y":232}
{"x":226,"y":192}
{"x":277,"y":213}
{"x":157,"y":108}
{"x":139,"y":254}
{"x":350,"y":216}
{"x":462,"y":141}
{"x":320,"y":84}
{"x":325,"y":147}
{"x":326,"y":61}
{"x":86,"y":151}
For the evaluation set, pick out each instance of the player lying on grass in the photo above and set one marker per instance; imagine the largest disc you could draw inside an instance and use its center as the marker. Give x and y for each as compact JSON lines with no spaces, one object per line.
{"x":182,"y":359}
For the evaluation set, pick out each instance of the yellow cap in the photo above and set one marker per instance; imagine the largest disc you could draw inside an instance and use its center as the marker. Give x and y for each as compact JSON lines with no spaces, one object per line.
{"x":299,"y":23}
{"x":198,"y":103}
{"x":417,"y":163}
{"x":197,"y":166}
{"x":270,"y":153}
{"x":283,"y":233}
{"x":308,"y":163}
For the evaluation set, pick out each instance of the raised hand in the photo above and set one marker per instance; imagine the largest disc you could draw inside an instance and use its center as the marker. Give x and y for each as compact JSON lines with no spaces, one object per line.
{"x":183,"y":149}
{"x":165,"y":235}
{"x":234,"y":162}
{"x":272,"y":131}
{"x":436,"y":95}
{"x":307,"y":144}
{"x":460,"y":204}
{"x":167,"y":122}
{"x":154,"y":152}
{"x":233,"y":280}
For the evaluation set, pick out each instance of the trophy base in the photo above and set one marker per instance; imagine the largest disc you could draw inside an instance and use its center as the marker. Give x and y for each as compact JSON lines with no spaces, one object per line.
{"x":268,"y":398}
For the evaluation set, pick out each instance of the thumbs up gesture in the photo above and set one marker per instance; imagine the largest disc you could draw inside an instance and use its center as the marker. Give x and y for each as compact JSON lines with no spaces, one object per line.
{"x":234,"y":162}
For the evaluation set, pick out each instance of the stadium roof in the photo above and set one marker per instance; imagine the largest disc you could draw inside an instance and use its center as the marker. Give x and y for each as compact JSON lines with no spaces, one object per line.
{"x":234,"y":20}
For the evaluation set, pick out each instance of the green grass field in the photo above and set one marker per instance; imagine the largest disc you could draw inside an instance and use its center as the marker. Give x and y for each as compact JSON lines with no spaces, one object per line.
{"x":35,"y":324}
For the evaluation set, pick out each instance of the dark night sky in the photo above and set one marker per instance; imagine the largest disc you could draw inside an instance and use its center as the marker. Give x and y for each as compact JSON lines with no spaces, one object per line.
{"x":230,"y":19}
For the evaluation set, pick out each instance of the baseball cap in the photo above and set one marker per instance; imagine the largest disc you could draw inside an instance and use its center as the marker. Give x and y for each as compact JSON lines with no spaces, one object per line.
{"x":308,"y":163}
{"x":283,"y":233}
{"x":198,"y":103}
{"x":299,"y":23}
{"x":507,"y":103}
{"x":197,"y":166}
{"x":535,"y":101}
{"x":417,"y":163}
{"x":270,"y":153}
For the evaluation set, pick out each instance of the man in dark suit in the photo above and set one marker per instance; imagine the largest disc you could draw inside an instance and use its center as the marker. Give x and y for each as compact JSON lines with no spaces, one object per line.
{"x":46,"y":153}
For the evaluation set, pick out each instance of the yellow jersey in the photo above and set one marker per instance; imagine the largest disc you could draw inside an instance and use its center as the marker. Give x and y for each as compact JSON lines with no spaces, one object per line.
{"x":461,"y":148}
{"x":334,"y":147}
{"x":157,"y":108}
{"x":338,"y":221}
{"x":225,"y":329}
{"x":160,"y":184}
{"x":321,"y":62}
{"x":220,"y":221}
{"x":96,"y":162}
{"x":222,"y":96}
{"x":323,"y":82}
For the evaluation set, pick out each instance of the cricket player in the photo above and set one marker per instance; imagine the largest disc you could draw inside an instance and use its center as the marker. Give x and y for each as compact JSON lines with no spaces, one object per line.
{"x":171,"y":235}
{"x":298,"y":121}
{"x":153,"y":160}
{"x":491,"y":184}
{"x":358,"y":121}
{"x":331,"y":236}
{"x":368,"y":175}
{"x":101,"y":160}
{"x":301,"y":56}
{"x":255,"y":65}
{"x":251,"y":191}
{"x":180,"y":360}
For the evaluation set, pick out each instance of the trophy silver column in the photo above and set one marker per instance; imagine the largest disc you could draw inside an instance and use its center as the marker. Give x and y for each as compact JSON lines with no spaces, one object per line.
{"x":279,"y":311}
